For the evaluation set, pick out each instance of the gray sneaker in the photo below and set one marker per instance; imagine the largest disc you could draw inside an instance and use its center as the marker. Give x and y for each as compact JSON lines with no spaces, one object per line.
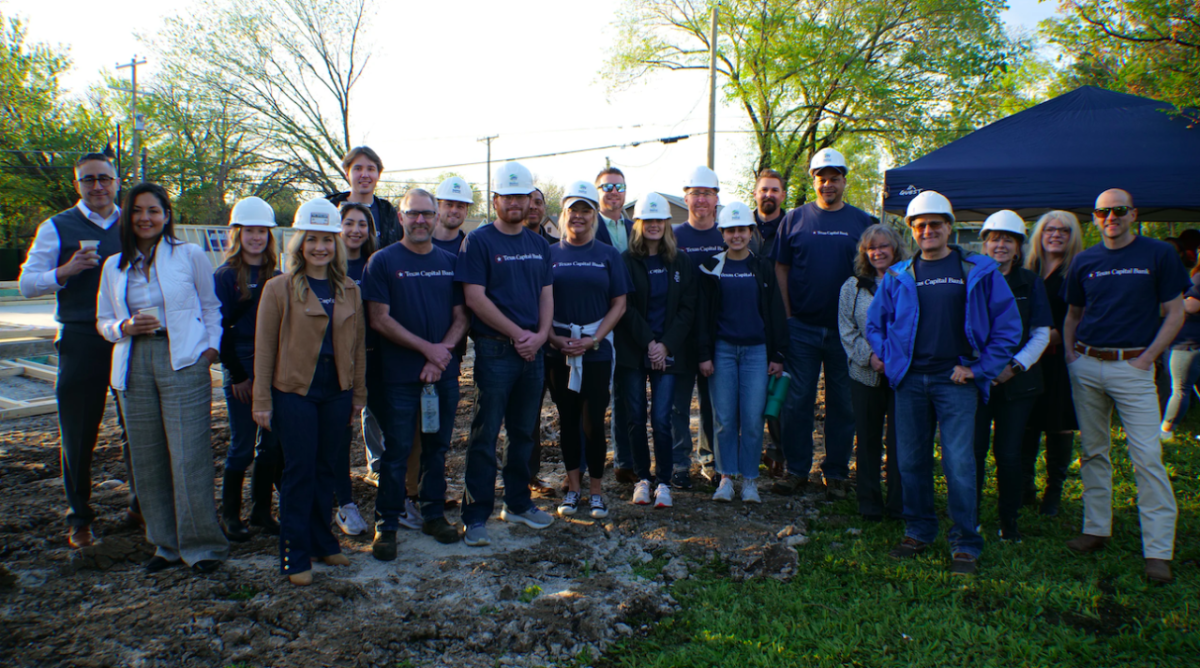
{"x":476,"y":535}
{"x":533,"y":518}
{"x":411,"y":517}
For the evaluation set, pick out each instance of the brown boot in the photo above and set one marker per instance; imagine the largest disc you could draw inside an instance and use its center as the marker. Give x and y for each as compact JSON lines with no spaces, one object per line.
{"x":1159,"y":570}
{"x":626,"y":476}
{"x":80,"y":537}
{"x":1087,"y":543}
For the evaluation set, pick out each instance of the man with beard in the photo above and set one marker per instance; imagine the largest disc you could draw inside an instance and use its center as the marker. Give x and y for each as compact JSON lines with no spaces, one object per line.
{"x":362,"y":167}
{"x":769,"y":195}
{"x":506,"y":275}
{"x":454,"y":200}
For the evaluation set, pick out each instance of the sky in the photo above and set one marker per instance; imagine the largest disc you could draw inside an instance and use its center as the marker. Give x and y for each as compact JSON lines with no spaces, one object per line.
{"x":439,"y":79}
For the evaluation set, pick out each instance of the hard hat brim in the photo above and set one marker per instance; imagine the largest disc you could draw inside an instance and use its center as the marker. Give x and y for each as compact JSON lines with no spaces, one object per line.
{"x":254,"y":223}
{"x":514,"y":191}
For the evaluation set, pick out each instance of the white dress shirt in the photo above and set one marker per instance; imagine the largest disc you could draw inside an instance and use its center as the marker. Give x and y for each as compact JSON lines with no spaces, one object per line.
{"x":142,"y":291}
{"x":38,"y":277}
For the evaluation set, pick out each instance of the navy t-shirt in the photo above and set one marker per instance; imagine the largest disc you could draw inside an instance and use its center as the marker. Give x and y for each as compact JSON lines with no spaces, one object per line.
{"x":1190,"y":332}
{"x":421,"y":294}
{"x":451,"y":246}
{"x":355,"y":269}
{"x":700,"y":245}
{"x":1120,"y":291}
{"x":226,"y":287}
{"x":942,"y":315}
{"x":656,"y":301}
{"x":739,"y":321}
{"x":513,"y":269}
{"x":586,"y":279}
{"x":320,"y":288}
{"x":819,"y":246}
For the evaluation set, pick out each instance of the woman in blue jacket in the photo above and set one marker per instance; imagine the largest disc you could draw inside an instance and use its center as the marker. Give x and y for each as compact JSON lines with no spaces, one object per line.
{"x":249,"y":263}
{"x":943,"y":326}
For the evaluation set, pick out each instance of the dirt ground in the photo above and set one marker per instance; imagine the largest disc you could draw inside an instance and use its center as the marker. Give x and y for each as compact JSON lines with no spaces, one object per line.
{"x":530,"y":599}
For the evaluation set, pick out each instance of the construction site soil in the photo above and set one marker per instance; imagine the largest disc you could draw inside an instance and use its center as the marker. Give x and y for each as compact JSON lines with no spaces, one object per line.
{"x":532,"y":598}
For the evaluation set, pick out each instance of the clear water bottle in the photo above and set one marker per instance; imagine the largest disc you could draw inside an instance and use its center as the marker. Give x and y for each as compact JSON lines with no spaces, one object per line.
{"x":430,"y":422}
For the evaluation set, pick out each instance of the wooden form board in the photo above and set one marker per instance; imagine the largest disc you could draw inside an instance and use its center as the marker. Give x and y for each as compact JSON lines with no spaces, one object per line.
{"x":12,"y":408}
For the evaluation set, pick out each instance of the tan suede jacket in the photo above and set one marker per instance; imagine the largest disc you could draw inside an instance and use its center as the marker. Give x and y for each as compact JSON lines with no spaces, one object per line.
{"x":287,"y":341}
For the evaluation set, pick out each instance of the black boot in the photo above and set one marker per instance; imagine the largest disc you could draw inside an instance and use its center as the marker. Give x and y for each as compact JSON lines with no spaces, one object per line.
{"x":262,"y":484}
{"x":231,"y":506}
{"x":1058,"y":461}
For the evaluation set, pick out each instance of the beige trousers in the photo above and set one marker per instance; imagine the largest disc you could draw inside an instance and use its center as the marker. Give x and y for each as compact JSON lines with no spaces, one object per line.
{"x":1097,"y":387}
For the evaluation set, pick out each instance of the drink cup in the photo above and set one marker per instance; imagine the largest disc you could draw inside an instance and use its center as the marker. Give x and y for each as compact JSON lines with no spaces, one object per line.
{"x":152,"y":312}
{"x":89,"y":245}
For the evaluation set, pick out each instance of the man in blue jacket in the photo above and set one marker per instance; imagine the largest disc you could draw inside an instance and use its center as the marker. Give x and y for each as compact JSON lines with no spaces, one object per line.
{"x":938,"y":322}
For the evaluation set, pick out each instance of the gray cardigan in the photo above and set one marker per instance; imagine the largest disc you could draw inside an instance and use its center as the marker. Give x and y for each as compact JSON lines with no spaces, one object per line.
{"x":853,"y":303}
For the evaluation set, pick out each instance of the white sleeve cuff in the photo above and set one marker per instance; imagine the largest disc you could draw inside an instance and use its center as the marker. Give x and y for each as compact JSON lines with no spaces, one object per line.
{"x":1038,"y":340}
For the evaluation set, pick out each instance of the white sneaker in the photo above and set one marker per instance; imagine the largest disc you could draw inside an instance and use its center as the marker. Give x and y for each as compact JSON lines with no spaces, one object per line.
{"x":411,"y":517}
{"x":724,"y":490}
{"x":641,"y":493}
{"x":350,"y":521}
{"x":598,"y":510}
{"x":662,"y":496}
{"x":569,"y":504}
{"x":750,"y":492}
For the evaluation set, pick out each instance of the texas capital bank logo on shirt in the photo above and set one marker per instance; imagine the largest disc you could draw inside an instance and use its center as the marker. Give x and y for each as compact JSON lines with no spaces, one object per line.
{"x":829,"y":233}
{"x":594,"y":265}
{"x":500,"y":258}
{"x":1132,"y":271}
{"x":940,"y":281}
{"x":428,"y":273}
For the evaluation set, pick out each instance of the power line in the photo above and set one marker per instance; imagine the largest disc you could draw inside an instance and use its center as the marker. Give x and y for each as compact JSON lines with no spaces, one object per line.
{"x":664,"y":140}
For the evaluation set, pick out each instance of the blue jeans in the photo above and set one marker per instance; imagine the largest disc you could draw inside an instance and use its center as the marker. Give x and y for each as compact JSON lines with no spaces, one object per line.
{"x":372,"y":431}
{"x":739,"y":396}
{"x":246,"y":440}
{"x":1184,"y":366}
{"x":923,"y":402}
{"x":681,"y":421}
{"x":809,"y":349}
{"x":310,"y":429}
{"x":400,"y":420}
{"x":631,"y":394}
{"x":507,"y":390}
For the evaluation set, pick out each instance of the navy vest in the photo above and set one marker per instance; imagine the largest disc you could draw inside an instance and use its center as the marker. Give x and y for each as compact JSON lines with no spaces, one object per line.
{"x":77,"y":299}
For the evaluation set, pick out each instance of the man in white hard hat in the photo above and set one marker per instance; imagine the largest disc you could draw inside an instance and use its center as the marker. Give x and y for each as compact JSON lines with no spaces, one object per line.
{"x":814,"y":255}
{"x":64,"y":261}
{"x":506,"y":276}
{"x":454,"y":200}
{"x":613,"y":228}
{"x":700,"y":239}
{"x":362,"y":168}
{"x":942,"y":326}
{"x":1124,"y":307}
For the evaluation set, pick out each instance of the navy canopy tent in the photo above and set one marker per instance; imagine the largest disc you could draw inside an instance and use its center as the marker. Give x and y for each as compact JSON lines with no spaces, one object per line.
{"x":1061,"y":154}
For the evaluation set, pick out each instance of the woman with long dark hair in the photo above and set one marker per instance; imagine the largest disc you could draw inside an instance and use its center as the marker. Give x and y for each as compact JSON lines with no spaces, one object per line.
{"x":249,"y":263}
{"x":158,"y":306}
{"x":309,"y":379}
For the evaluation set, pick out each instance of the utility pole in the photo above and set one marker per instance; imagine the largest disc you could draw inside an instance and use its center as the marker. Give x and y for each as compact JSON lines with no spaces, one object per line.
{"x":488,"y":195}
{"x":137,"y":120}
{"x":712,"y":93}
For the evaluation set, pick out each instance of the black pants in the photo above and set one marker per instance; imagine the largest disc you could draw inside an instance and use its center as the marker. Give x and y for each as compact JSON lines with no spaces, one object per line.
{"x":581,"y":413}
{"x":873,"y":406}
{"x":535,"y":457}
{"x":1058,"y":459}
{"x":1009,"y":418}
{"x":84,"y":362}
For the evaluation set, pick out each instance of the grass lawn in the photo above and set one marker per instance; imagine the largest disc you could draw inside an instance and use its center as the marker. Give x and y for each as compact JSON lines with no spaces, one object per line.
{"x":1032,"y":604}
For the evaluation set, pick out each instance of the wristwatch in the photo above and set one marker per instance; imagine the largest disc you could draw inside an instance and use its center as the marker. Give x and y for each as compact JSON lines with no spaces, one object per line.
{"x":595,"y":343}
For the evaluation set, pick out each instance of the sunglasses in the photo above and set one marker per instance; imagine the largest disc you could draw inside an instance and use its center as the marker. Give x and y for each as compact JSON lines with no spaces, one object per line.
{"x":1118,"y":211}
{"x":612,"y":187}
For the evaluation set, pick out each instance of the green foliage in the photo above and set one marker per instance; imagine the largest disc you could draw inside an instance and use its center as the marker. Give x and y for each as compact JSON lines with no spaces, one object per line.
{"x":242,"y":593}
{"x":904,"y":77}
{"x":1144,"y":47}
{"x":1032,"y":604}
{"x":529,"y":593}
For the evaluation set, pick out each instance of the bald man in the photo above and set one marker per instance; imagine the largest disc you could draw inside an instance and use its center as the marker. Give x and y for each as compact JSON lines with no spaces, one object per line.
{"x":1125,"y":305}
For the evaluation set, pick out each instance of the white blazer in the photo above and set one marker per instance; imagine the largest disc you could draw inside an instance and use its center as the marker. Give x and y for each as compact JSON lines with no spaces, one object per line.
{"x":192,"y":311}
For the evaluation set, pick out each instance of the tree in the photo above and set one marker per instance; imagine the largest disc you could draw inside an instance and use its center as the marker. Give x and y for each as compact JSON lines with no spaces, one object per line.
{"x":908,"y":74}
{"x":1144,"y":47}
{"x":41,"y":134}
{"x":289,"y":65}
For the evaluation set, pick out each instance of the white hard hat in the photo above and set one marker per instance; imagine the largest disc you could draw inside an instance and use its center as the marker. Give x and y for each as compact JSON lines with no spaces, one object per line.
{"x":702,"y":177}
{"x":455,"y":189}
{"x":827,"y":157}
{"x":580,"y":191}
{"x":252,"y":212}
{"x":735,"y":214}
{"x":1004,"y":221}
{"x":318,"y":215}
{"x":928,"y":201}
{"x":512,"y":178}
{"x":652,"y":207}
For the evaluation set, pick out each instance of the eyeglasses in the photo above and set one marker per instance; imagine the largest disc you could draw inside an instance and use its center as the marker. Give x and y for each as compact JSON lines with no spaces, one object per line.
{"x":414,"y":215}
{"x":702,"y":194}
{"x":874,"y":249}
{"x":93,"y":180}
{"x":1060,"y":231}
{"x":1118,"y":211}
{"x":931,"y":225}
{"x":612,"y":187}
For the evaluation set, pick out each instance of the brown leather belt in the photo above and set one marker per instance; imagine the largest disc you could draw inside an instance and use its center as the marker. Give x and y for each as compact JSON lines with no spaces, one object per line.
{"x":1109,"y":354}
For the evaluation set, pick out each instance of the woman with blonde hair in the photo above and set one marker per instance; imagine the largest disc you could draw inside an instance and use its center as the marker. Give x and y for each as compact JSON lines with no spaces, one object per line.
{"x":879,"y":248}
{"x":1056,"y":240}
{"x":309,"y":380}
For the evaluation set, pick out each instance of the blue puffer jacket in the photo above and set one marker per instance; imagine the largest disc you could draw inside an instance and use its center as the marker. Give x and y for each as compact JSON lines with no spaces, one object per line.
{"x":993,"y":324}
